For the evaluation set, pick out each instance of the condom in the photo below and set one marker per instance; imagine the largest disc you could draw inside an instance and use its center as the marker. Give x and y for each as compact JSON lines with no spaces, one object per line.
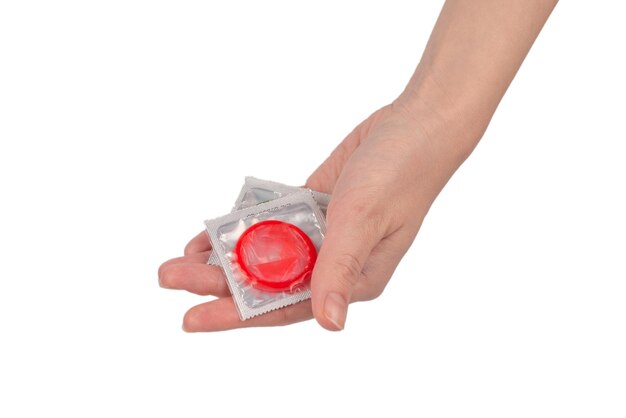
{"x":275,"y":255}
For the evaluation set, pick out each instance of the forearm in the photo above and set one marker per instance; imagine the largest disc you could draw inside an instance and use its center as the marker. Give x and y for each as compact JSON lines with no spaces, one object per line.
{"x":474,"y":52}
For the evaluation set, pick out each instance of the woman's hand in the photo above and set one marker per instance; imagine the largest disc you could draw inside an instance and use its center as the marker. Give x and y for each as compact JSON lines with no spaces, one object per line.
{"x":383,"y":178}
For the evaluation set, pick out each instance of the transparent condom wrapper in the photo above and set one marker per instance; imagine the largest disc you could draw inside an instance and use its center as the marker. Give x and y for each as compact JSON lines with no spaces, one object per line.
{"x":256,"y":191}
{"x":297,"y":209}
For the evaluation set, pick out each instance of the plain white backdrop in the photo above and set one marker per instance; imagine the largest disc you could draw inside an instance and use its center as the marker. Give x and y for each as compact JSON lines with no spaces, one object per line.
{"x":124,"y":124}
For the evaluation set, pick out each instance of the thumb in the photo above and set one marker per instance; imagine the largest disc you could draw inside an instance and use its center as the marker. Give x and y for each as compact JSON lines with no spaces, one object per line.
{"x":352,"y":233}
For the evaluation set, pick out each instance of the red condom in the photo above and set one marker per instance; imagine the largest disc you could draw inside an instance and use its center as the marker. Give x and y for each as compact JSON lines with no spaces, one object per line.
{"x":275,"y":255}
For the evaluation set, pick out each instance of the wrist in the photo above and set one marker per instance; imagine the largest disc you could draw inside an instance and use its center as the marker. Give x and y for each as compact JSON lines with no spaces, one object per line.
{"x":454,"y":120}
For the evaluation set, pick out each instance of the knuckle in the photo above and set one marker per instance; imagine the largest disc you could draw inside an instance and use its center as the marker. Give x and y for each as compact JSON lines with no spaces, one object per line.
{"x":348,"y":270}
{"x":373,"y":292}
{"x":370,"y":288}
{"x":222,"y":287}
{"x":283,"y":317}
{"x":364,"y":209}
{"x":288,"y":316}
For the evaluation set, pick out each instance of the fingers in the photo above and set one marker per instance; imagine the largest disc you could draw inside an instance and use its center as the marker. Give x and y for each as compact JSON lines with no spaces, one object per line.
{"x":221,"y":315}
{"x":198,"y":244}
{"x":202,"y":279}
{"x":353,"y":231}
{"x":202,"y":258}
{"x":191,"y":273}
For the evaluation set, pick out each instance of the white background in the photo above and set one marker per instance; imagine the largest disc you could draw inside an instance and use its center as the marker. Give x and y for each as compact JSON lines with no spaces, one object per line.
{"x":124,"y":124}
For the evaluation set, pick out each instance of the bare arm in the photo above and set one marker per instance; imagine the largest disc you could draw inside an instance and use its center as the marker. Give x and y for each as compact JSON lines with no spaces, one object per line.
{"x":474,"y":52}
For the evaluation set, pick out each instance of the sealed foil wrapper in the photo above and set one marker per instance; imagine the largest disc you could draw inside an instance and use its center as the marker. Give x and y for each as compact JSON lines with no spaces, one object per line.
{"x":301,"y":212}
{"x":255,"y":191}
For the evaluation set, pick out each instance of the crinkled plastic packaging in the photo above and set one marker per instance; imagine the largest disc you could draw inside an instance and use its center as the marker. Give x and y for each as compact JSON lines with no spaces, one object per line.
{"x":268,"y":251}
{"x":256,"y":191}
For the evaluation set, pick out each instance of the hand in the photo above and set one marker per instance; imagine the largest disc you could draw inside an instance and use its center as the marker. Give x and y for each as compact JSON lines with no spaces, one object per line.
{"x":383,"y":178}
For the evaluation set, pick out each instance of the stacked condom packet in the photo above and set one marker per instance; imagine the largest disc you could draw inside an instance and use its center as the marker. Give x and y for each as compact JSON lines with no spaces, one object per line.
{"x":268,"y":245}
{"x":256,"y":191}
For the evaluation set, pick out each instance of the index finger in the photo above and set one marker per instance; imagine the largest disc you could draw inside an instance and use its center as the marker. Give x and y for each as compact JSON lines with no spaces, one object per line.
{"x":198,"y":244}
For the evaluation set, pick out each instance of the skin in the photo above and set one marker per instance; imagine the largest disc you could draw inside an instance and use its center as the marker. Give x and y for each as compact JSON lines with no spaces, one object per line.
{"x":385,"y":175}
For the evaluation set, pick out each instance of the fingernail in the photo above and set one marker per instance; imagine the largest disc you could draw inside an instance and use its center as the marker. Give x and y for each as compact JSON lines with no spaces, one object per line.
{"x":335,"y":309}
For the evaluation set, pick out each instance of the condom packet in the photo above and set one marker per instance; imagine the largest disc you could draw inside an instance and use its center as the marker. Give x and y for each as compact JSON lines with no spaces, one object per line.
{"x":256,"y":191}
{"x":268,"y":251}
